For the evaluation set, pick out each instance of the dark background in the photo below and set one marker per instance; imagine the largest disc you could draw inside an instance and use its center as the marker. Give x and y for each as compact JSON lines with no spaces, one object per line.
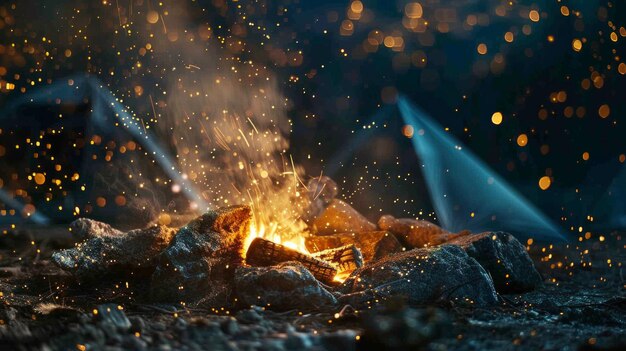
{"x":338,"y":83}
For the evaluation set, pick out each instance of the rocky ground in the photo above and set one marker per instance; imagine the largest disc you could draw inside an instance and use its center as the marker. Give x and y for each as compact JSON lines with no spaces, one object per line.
{"x":580,"y":305}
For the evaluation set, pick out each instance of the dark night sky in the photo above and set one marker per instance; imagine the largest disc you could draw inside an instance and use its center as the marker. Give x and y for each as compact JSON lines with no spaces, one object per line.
{"x":340,"y":62}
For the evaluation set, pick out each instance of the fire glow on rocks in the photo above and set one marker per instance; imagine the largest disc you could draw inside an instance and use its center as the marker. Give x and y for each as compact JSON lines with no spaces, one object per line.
{"x":203,"y":264}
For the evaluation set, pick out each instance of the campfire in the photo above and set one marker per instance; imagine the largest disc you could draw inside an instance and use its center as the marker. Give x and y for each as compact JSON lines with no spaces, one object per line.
{"x":225,"y":258}
{"x":339,"y":234}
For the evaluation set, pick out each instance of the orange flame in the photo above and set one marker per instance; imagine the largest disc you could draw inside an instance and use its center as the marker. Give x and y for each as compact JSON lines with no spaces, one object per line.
{"x":269,"y":232}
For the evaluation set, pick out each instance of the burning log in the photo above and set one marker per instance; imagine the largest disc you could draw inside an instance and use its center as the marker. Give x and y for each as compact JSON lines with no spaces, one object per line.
{"x":345,"y":258}
{"x":267,"y":253}
{"x":373,"y":244}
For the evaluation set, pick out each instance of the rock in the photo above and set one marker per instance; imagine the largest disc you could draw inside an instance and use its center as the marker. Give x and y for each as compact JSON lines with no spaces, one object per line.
{"x":208,"y":248}
{"x":373,"y":244}
{"x":180,"y":324}
{"x":230,"y":326}
{"x":403,"y":329}
{"x":133,"y":343}
{"x":423,"y":276}
{"x":105,"y":250}
{"x":286,"y":286}
{"x":504,"y":257}
{"x":94,"y":333}
{"x":341,"y":340}
{"x":8,"y":314}
{"x":249,"y":316}
{"x":85,"y":228}
{"x":415,"y":233}
{"x":347,"y":313}
{"x":272,"y":345}
{"x":113,"y":315}
{"x":298,"y":341}
{"x":137,"y":323}
{"x":52,"y":311}
{"x":339,"y":217}
{"x":199,"y":263}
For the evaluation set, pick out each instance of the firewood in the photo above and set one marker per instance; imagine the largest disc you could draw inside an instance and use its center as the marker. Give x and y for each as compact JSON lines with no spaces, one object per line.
{"x":267,"y":253}
{"x":373,"y":244}
{"x":345,"y":258}
{"x":415,"y":233}
{"x":340,"y":217}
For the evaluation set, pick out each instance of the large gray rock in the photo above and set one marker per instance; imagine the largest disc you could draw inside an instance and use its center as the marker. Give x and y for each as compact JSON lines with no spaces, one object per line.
{"x":86,"y":228}
{"x":506,"y":259}
{"x":105,"y":250}
{"x":423,"y":276}
{"x":112,"y":315}
{"x":199,"y":264}
{"x":286,"y":286}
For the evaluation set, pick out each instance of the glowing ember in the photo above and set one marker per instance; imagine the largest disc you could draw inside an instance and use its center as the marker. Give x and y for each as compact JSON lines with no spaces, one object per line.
{"x":341,"y":277}
{"x":270,"y":232}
